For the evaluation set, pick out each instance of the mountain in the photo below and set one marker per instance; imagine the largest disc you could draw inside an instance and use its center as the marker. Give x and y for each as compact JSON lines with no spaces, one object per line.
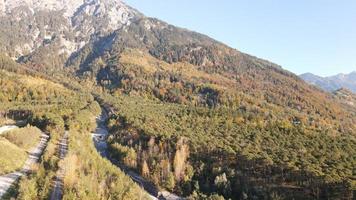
{"x":332,"y":83}
{"x":48,"y":32}
{"x":346,"y":97}
{"x":189,"y":113}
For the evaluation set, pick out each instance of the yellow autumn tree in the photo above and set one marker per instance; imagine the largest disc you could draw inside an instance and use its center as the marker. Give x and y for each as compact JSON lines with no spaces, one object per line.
{"x":180,"y":159}
{"x":145,"y":169}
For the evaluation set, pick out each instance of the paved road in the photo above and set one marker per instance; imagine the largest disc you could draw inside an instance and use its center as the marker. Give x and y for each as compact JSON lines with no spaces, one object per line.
{"x":57,"y":192}
{"x":6,"y":181}
{"x":99,"y":138}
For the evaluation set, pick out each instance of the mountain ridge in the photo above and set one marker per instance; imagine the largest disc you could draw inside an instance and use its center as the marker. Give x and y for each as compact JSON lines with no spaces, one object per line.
{"x":332,"y":83}
{"x":60,"y":26}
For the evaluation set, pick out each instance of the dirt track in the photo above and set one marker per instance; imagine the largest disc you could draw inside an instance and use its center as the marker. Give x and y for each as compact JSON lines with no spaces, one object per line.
{"x":6,"y":181}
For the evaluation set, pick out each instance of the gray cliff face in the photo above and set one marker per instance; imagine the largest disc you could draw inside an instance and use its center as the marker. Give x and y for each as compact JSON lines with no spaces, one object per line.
{"x":59,"y":27}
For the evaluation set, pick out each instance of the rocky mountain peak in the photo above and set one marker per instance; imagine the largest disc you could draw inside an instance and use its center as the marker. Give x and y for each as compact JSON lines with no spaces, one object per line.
{"x":109,"y":14}
{"x":69,"y":6}
{"x":63,"y":26}
{"x":117,"y":10}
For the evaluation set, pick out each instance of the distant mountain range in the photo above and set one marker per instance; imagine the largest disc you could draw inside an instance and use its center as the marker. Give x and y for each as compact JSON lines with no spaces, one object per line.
{"x":332,"y":83}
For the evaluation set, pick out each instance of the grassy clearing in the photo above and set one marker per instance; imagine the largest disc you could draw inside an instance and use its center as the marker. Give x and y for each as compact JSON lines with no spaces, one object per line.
{"x":24,"y":138}
{"x":12,"y":157}
{"x":13,"y":147}
{"x":38,"y":185}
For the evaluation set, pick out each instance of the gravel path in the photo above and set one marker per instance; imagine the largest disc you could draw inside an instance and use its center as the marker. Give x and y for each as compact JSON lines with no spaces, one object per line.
{"x":57,"y":192}
{"x":3,"y":129}
{"x":6,"y":181}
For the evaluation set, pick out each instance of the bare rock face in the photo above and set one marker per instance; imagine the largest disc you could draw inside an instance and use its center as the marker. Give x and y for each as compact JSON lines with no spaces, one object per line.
{"x":115,"y":14}
{"x":58,"y":27}
{"x":2,"y":7}
{"x":68,"y":6}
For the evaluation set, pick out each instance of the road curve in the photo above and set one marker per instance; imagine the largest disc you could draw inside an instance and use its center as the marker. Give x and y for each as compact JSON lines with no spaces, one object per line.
{"x":6,"y":181}
{"x":57,"y":192}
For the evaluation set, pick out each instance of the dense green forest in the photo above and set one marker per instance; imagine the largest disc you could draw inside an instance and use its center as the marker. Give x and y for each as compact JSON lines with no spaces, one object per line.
{"x":217,"y":150}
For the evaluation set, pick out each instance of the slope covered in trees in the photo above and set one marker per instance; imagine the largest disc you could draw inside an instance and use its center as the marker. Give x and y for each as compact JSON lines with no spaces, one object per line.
{"x":223,"y":152}
{"x":190,"y":114}
{"x":247,"y":123}
{"x":155,"y":59}
{"x":53,"y":107}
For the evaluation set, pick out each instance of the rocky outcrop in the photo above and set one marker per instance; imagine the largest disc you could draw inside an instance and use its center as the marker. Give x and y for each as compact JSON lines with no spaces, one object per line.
{"x":32,"y":29}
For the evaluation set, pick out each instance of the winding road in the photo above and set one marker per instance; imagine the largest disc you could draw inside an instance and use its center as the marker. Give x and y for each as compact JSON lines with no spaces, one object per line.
{"x":6,"y":181}
{"x":99,"y":137}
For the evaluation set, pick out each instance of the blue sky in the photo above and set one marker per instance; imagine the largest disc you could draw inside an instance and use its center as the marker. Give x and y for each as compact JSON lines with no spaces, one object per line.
{"x":317,"y":36}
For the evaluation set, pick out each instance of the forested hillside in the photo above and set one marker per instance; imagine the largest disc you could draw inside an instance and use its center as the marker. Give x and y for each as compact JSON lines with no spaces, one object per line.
{"x":188,"y":113}
{"x":223,"y":152}
{"x":195,"y":115}
{"x":174,"y":65}
{"x":53,"y":107}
